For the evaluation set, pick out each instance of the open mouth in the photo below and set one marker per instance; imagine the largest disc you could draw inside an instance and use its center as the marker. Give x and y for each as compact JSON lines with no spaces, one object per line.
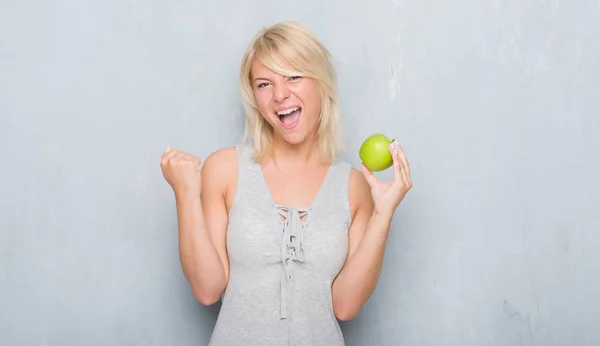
{"x":289,"y":117}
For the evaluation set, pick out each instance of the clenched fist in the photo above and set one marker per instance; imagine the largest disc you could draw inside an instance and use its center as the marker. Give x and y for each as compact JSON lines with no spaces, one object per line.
{"x":182,"y":171}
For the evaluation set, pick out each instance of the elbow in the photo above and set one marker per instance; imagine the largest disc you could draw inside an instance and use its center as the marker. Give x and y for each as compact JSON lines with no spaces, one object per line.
{"x":344,"y":317}
{"x":209,"y":294}
{"x":205,"y":298}
{"x":207,"y":301}
{"x":346,"y":312}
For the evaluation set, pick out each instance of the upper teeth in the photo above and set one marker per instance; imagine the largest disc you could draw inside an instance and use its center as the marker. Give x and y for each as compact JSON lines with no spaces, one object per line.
{"x":287,"y":111}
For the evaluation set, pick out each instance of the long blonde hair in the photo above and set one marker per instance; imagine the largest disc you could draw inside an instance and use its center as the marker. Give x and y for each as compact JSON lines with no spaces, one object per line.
{"x":289,"y":43}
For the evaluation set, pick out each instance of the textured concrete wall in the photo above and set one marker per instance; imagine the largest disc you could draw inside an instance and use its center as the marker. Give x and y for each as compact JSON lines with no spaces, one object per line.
{"x":495,"y":103}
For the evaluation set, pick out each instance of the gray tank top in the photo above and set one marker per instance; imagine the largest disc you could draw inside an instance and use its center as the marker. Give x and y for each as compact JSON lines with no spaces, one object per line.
{"x":283,"y":260}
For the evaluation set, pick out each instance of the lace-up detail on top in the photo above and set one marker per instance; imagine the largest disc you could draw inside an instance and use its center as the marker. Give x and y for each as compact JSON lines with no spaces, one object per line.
{"x":294,"y":222}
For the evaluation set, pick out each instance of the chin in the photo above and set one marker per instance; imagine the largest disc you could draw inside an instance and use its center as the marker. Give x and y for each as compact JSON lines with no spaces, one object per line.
{"x":295,"y":138}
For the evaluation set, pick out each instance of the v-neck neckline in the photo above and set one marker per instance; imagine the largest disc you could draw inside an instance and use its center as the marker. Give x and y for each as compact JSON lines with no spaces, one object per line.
{"x":315,"y":198}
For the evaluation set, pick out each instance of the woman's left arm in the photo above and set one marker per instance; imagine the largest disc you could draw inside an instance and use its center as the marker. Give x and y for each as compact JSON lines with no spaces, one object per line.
{"x":376,"y":201}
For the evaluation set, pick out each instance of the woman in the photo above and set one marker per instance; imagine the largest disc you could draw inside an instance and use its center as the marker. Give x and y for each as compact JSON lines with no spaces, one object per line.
{"x":287,"y":234}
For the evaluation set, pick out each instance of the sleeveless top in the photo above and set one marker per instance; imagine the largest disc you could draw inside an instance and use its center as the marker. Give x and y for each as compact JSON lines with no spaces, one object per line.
{"x":283,"y":260}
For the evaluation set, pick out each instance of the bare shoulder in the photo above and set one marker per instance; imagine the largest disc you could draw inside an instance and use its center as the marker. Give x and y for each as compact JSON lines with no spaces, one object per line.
{"x":219,"y":171}
{"x":225,"y":158}
{"x":359,"y":193}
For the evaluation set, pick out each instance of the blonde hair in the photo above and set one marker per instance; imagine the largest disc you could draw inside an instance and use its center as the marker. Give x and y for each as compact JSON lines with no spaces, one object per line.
{"x":289,"y":43}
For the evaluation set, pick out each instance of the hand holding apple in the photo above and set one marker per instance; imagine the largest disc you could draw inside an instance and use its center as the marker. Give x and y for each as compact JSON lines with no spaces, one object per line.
{"x":378,"y":153}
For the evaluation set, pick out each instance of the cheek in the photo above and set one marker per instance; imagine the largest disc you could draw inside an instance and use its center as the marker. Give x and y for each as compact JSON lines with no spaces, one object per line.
{"x":262,"y":102}
{"x":311,"y":98}
{"x":315,"y":105}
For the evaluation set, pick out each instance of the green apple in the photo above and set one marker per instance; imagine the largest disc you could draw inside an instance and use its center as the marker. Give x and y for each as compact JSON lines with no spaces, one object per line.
{"x":375,"y":153}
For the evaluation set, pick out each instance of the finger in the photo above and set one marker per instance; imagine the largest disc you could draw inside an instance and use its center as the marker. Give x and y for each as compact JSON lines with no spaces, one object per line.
{"x":168,"y":154}
{"x":371,"y":179}
{"x":403,"y":160}
{"x":167,"y":150}
{"x":396,"y":162}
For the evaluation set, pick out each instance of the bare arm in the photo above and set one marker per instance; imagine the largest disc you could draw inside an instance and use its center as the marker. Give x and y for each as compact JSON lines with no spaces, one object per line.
{"x":202,"y":224}
{"x":375,"y":202}
{"x":367,"y":237}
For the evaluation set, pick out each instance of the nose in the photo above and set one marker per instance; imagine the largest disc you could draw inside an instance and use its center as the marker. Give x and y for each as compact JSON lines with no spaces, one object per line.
{"x":280,"y":93}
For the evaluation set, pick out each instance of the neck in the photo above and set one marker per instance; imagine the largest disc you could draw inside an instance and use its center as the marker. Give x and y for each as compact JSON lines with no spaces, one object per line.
{"x":293,"y":155}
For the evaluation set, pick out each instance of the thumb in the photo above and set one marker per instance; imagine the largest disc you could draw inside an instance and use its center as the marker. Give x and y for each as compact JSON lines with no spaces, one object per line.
{"x":371,"y":179}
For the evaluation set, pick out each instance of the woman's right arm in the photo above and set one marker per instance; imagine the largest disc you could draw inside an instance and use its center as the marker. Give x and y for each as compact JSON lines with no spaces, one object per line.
{"x":200,"y":198}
